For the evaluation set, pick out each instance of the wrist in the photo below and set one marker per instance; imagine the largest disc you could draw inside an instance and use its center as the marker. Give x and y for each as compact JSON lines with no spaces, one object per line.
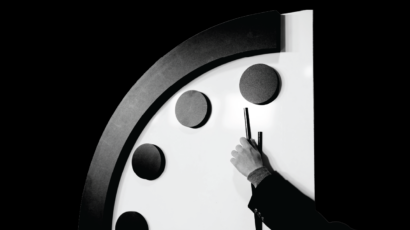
{"x":257,"y":175}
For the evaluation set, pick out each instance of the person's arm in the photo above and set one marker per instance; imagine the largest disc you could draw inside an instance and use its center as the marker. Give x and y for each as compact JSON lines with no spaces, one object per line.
{"x":280,"y":205}
{"x":277,"y":202}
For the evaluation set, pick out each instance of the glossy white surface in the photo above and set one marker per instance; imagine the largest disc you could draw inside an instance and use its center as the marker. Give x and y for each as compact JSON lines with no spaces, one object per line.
{"x":200,"y":188}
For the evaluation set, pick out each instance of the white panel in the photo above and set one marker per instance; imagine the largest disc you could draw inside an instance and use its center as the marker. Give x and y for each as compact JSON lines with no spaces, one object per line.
{"x":200,"y":188}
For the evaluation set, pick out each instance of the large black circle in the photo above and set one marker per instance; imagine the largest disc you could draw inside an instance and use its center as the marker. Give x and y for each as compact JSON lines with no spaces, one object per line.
{"x":148,"y":161}
{"x":193,"y":109}
{"x":131,"y":221}
{"x":259,"y":84}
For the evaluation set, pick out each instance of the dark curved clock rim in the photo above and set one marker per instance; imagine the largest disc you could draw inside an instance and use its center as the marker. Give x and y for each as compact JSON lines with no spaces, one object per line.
{"x":242,"y":37}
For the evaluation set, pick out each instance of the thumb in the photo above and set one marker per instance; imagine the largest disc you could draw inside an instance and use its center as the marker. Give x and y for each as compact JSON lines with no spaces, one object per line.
{"x":253,"y":143}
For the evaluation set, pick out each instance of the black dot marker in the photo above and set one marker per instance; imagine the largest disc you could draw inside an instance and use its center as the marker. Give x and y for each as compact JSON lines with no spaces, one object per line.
{"x":260,"y":84}
{"x":131,"y":221}
{"x":148,"y":161}
{"x":193,"y":109}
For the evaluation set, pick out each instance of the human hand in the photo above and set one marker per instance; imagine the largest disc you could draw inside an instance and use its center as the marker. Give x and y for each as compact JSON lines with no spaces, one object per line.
{"x":246,"y":157}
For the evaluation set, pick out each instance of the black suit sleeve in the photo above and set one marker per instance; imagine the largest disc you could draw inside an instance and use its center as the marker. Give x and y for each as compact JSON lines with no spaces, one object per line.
{"x":280,"y":205}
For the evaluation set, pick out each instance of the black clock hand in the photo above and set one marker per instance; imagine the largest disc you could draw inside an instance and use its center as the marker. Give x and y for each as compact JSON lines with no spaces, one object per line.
{"x":258,"y":221}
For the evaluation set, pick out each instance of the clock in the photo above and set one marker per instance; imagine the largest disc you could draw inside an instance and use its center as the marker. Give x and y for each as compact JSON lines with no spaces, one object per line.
{"x":198,"y":188}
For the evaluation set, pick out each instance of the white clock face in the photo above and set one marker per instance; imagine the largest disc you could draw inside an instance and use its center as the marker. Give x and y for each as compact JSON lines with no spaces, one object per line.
{"x":199,"y":188}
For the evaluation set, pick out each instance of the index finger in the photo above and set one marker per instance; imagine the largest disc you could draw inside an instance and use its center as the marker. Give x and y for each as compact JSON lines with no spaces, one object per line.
{"x":245,"y":143}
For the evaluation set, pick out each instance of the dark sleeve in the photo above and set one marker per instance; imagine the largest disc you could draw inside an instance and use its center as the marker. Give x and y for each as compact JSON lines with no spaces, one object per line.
{"x":280,"y":205}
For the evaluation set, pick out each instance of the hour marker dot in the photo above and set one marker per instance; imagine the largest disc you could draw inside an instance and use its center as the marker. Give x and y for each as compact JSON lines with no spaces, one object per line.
{"x":148,"y":161}
{"x":193,"y":109}
{"x":259,"y":84}
{"x":131,"y":221}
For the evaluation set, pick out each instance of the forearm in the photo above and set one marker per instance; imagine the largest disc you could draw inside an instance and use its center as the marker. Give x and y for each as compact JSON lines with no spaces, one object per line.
{"x":280,"y":205}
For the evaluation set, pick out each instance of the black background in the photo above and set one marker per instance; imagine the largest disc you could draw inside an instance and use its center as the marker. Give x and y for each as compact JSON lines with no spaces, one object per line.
{"x":96,"y":53}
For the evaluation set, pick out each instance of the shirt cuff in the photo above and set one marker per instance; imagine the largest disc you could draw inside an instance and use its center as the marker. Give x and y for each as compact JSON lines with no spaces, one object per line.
{"x":257,"y":175}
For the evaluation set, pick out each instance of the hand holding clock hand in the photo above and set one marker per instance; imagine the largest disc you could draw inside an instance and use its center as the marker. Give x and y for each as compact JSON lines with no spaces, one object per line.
{"x":246,"y":157}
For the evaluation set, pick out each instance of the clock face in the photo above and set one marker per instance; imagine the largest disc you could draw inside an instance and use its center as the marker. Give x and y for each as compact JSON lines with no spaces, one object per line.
{"x":199,"y":188}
